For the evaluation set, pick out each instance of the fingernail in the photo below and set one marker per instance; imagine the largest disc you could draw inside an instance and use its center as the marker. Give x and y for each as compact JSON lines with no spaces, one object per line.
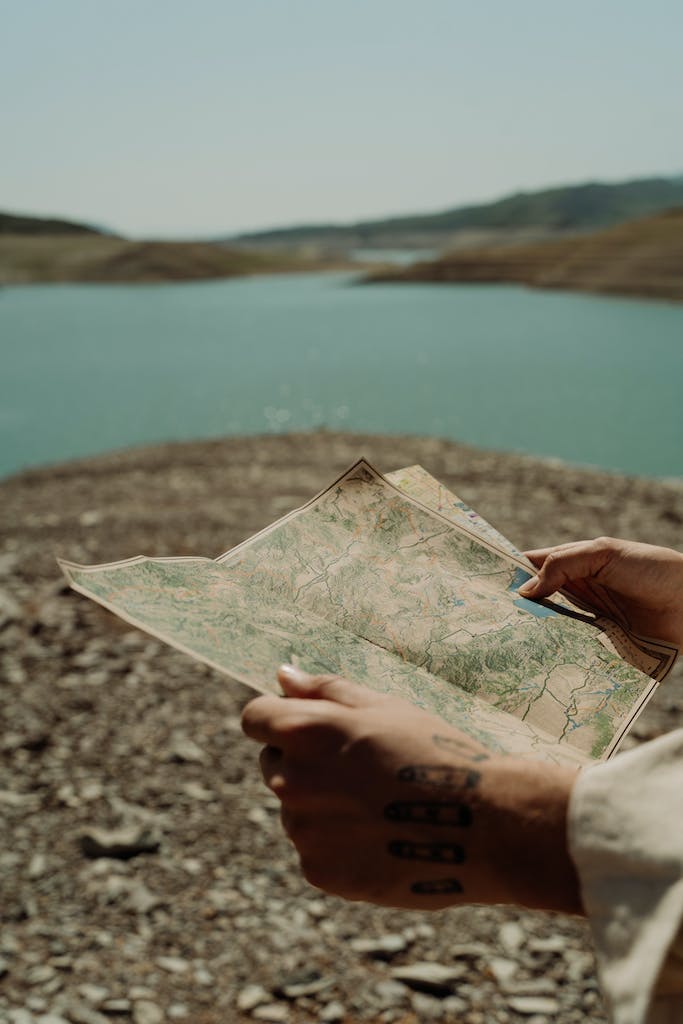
{"x":529,"y":586}
{"x":294,"y":674}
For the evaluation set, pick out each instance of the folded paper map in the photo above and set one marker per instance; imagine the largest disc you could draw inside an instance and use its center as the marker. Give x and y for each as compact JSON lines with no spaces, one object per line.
{"x":395,"y":583}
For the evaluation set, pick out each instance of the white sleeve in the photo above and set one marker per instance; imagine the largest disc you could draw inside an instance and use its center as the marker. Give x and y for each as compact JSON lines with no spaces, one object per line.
{"x":626,"y":839}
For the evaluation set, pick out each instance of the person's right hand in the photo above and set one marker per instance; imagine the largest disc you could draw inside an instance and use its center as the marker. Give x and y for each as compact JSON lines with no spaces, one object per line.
{"x":639,"y":585}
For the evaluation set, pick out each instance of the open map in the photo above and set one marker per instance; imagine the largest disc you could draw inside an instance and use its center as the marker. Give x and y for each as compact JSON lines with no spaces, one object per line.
{"x":395,"y":583}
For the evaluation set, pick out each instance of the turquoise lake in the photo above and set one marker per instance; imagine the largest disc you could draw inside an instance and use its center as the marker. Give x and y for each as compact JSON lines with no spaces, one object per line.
{"x":88,"y":368}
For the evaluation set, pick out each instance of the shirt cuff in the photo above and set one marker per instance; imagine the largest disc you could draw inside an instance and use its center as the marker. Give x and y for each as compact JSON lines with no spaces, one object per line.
{"x":626,"y":839}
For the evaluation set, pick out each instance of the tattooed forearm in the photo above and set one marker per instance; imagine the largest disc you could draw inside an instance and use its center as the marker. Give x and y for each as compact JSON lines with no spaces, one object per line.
{"x":437,"y":853}
{"x":443,"y":776}
{"x":428,"y":812}
{"x":461,"y":747}
{"x":437,"y":887}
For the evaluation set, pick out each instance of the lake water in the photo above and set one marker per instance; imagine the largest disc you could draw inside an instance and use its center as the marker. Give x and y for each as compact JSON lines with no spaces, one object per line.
{"x":89,"y":368}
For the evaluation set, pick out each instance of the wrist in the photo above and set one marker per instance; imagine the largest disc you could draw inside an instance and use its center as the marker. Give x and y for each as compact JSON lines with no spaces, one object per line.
{"x":529,"y":805}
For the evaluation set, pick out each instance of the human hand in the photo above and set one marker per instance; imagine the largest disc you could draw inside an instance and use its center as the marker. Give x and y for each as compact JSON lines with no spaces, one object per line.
{"x":639,"y":585}
{"x":389,"y":804}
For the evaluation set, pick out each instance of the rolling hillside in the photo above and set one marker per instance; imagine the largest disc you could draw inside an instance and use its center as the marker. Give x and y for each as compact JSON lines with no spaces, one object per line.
{"x":569,"y":209}
{"x":643,"y":258}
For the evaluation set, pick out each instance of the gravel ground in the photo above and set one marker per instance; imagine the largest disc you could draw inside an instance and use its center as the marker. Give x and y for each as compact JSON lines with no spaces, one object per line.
{"x":199,"y":913}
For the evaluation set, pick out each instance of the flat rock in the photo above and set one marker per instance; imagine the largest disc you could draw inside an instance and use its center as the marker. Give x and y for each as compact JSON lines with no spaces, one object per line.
{"x":429,"y":977}
{"x":121,"y":843}
{"x":530,"y":1005}
{"x":251,"y":996}
{"x":147,"y":1012}
{"x":383,"y":947}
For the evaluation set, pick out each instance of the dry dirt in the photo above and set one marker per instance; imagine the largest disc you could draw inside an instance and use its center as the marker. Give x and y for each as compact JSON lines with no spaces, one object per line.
{"x":104,"y":727}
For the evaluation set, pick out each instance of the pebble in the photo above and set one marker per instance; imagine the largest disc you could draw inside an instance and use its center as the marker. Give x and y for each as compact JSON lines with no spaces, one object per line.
{"x":94,"y":994}
{"x":332,"y":1013}
{"x":185,"y":751}
{"x":390,"y":993}
{"x":383,"y":947}
{"x":37,"y":866}
{"x":511,"y":936}
{"x":122,"y":843}
{"x":429,"y":977}
{"x":177,"y":1011}
{"x":115,"y":1006}
{"x":251,"y":996}
{"x":273,"y":1012}
{"x":502,"y":969}
{"x":533,"y":1004}
{"x":147,"y":1012}
{"x":553,"y":944}
{"x":4,"y":967}
{"x":40,"y":974}
{"x":173,"y":964}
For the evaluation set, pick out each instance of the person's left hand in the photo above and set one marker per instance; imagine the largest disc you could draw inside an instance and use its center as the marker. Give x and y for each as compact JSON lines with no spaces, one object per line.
{"x":389,"y":804}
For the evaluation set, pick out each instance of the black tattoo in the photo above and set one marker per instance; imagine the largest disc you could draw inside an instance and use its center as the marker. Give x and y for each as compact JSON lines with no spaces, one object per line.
{"x":437,"y":853}
{"x":425,"y":812}
{"x":443,"y":776}
{"x":461,"y":747}
{"x":437,"y":887}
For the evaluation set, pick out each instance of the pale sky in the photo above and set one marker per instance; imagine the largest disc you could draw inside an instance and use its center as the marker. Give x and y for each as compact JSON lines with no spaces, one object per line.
{"x":212,"y":116}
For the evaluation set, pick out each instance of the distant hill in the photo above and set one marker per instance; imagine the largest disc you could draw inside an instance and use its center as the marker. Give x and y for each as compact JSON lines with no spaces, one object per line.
{"x":22,"y":224}
{"x":568,"y":209}
{"x":92,"y":257}
{"x":643,"y":258}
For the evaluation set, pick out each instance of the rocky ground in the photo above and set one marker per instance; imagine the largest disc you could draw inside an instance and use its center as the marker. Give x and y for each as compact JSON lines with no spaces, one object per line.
{"x":143,"y":873}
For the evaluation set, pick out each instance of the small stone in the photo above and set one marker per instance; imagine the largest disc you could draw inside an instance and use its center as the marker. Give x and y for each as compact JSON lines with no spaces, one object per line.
{"x":140,"y":992}
{"x":429,"y":977}
{"x":121,"y":843}
{"x":79,"y":1013}
{"x":140,"y":899}
{"x":251,"y":996}
{"x":502,"y":969}
{"x":177,"y":1011}
{"x":390,"y":993}
{"x":453,"y":1007}
{"x":40,"y":974}
{"x":185,"y":751}
{"x":306,"y":983}
{"x":258,"y":816}
{"x":470,"y":950}
{"x":114,"y":1006}
{"x":20,"y":1017}
{"x":9,"y":610}
{"x":531,"y":987}
{"x":529,"y":1005}
{"x":147,"y":1012}
{"x":383,"y":947}
{"x":273,"y":1012}
{"x":512,"y":936}
{"x":37,"y":866}
{"x":93,"y":994}
{"x":173,"y":964}
{"x":4,"y":967}
{"x":332,"y":1013}
{"x":51,"y":1018}
{"x":553,"y":944}
{"x":426,"y":1007}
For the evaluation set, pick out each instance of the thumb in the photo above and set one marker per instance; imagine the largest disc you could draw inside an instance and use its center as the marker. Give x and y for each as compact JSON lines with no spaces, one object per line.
{"x":297,"y":683}
{"x":562,"y":566}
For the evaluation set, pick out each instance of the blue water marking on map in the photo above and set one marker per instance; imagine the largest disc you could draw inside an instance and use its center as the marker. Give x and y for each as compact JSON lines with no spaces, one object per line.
{"x":539,"y":610}
{"x":458,"y":602}
{"x":520,"y":577}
